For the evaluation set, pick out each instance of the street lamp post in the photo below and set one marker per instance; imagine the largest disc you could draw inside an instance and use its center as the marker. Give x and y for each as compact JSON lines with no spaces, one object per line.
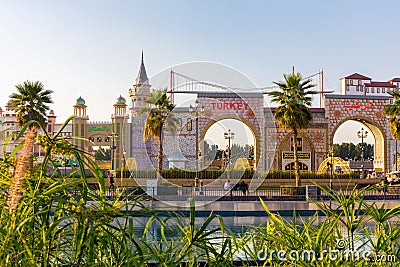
{"x":362,"y":134}
{"x":229,"y":136}
{"x":196,"y":112}
{"x":124,"y":159}
{"x":331,"y":168}
{"x":362,"y":171}
{"x":123,"y":165}
{"x":330,"y":154}
{"x":113,"y":135}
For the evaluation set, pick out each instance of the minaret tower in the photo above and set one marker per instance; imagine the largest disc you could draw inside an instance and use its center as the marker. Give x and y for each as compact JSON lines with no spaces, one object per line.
{"x":51,"y":121}
{"x":120,"y":133}
{"x":79,"y":123}
{"x":140,"y":90}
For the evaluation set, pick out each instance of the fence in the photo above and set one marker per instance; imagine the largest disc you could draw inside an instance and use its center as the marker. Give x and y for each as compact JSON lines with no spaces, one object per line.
{"x":218,"y":193}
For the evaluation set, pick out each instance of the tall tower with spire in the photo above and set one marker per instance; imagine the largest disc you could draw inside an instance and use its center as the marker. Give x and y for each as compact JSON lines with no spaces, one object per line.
{"x":140,"y":150}
{"x":140,"y":90}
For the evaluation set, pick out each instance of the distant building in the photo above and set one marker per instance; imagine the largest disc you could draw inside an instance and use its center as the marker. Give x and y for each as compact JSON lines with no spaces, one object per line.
{"x":9,"y":128}
{"x":357,"y":84}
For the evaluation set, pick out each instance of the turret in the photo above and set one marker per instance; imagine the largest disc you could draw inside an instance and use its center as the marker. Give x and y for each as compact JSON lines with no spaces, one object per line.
{"x":141,"y":89}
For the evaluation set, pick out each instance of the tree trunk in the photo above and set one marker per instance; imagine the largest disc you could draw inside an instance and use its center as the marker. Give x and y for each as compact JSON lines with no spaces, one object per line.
{"x":160,"y":155}
{"x":296,"y":160}
{"x":23,"y":163}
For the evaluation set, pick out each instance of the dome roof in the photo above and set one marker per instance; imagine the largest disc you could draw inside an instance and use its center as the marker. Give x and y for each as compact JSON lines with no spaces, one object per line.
{"x":80,"y":101}
{"x":121,"y":100}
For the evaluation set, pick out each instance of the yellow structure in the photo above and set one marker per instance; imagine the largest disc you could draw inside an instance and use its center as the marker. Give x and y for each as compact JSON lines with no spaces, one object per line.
{"x":131,"y":164}
{"x":241,"y":164}
{"x":335,"y":161}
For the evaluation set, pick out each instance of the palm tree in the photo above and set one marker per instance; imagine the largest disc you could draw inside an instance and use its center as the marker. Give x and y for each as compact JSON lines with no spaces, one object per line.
{"x":293,"y":113}
{"x":393,"y":111}
{"x":31,"y":103}
{"x":159,"y":115}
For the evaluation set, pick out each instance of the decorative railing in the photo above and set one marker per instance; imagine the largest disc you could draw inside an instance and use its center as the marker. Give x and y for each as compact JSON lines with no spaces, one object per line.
{"x":179,"y":193}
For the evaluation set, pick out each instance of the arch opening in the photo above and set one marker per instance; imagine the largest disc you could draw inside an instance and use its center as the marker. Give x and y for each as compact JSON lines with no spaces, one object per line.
{"x":360,"y":142}
{"x":218,"y":135}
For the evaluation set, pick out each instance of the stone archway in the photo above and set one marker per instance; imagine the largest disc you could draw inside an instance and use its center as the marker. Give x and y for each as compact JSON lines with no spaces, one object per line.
{"x":244,"y":107}
{"x":367,"y":110}
{"x":380,"y":159}
{"x":285,"y":143}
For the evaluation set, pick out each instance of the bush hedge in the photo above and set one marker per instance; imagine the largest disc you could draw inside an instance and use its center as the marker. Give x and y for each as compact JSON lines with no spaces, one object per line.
{"x":234,"y":174}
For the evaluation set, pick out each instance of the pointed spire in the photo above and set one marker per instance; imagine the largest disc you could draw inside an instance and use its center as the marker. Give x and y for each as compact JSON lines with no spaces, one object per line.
{"x":142,"y":75}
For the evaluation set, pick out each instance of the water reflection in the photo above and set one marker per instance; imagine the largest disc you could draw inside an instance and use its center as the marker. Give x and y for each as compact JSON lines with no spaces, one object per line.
{"x":235,"y":225}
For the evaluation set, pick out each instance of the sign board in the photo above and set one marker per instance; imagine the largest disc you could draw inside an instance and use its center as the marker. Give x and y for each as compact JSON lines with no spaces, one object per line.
{"x":98,"y":128}
{"x":312,"y":192}
{"x":230,"y":105}
{"x":151,"y":187}
{"x":300,"y":155}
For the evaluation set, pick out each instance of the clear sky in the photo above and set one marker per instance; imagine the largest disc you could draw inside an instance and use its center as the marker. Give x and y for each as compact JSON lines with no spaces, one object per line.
{"x":92,"y":48}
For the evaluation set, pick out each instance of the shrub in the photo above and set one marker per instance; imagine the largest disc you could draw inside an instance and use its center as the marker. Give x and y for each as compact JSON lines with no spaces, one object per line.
{"x":277,"y":174}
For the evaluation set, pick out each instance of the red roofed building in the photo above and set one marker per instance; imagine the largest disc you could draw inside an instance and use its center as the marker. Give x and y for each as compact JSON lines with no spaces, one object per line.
{"x":378,"y":88}
{"x":396,"y":82}
{"x":354,"y":84}
{"x":357,"y":76}
{"x":357,"y":84}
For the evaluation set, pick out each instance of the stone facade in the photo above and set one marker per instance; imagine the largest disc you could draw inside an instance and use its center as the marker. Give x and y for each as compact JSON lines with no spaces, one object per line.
{"x":313,"y":146}
{"x":367,"y":110}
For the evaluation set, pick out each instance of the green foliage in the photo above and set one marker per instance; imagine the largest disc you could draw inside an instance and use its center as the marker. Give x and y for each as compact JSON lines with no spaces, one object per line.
{"x":239,"y":151}
{"x":189,"y":174}
{"x":393,"y":111}
{"x":244,"y":174}
{"x":103,"y":154}
{"x":293,"y":98}
{"x":31,"y":102}
{"x":349,"y":151}
{"x":211,"y":152}
{"x":348,"y":227}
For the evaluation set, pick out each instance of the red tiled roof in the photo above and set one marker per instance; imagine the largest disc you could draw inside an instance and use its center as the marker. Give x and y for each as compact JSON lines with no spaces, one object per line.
{"x":395,"y":80}
{"x":379,"y":84}
{"x":357,"y":76}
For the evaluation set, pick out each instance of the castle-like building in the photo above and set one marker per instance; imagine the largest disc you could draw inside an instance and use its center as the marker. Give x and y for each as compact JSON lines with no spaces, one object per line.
{"x":361,"y":99}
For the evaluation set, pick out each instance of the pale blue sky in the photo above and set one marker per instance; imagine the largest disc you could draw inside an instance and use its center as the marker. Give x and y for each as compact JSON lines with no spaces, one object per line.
{"x":92,"y":48}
